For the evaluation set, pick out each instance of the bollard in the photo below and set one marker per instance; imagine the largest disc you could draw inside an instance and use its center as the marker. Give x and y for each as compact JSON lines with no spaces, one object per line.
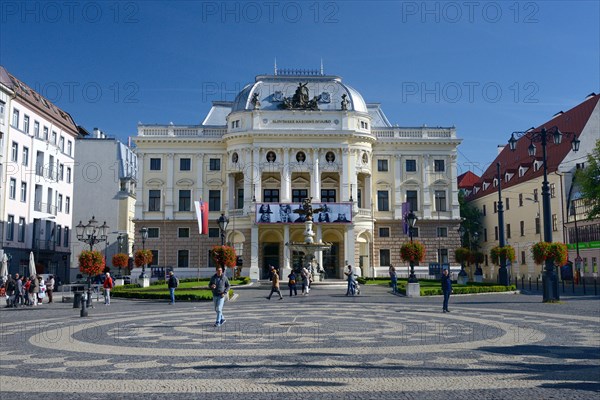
{"x":76,"y":299}
{"x":595,"y":287}
{"x":563,"y":285}
{"x":583,"y":282}
{"x":537,"y":281}
{"x":523,"y":282}
{"x":529,"y":283}
{"x":573,"y":284}
{"x":516,"y":281}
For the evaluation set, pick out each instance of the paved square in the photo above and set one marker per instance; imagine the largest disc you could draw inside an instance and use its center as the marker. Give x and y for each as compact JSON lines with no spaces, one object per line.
{"x":323,"y":346}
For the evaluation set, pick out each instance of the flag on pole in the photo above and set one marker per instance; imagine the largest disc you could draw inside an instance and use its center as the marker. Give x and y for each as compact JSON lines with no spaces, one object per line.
{"x":202,"y":215}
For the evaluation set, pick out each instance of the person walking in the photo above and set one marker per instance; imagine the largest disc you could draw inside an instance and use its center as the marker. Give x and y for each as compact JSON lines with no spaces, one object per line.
{"x":446,"y":289}
{"x":18,"y":291}
{"x":34,"y":290}
{"x":274,"y":284}
{"x":50,"y":288}
{"x":350,"y":274}
{"x":305,"y":281}
{"x":173,"y":283}
{"x":220,"y":288}
{"x":393,"y":279}
{"x":107,"y":285}
{"x":292,"y":283}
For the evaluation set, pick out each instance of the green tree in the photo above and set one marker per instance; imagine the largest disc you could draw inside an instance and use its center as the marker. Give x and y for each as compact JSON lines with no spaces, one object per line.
{"x":471,"y":222}
{"x":589,"y":182}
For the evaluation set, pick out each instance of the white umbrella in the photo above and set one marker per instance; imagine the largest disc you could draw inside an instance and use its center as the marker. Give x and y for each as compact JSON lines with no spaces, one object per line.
{"x":32,"y":271}
{"x":4,"y":267}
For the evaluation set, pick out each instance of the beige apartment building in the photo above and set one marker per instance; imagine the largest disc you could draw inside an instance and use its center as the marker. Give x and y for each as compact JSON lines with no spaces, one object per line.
{"x":256,"y":158}
{"x":521,"y":183}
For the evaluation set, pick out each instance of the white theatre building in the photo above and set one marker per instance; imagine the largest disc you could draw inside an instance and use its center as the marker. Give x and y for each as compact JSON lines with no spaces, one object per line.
{"x":286,"y":137}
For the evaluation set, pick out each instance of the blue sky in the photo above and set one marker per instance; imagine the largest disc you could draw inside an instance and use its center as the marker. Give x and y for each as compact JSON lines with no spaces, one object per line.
{"x":486,"y":67}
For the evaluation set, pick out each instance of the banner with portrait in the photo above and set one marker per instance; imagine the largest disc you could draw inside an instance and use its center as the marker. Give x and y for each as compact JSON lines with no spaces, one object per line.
{"x":283,"y":213}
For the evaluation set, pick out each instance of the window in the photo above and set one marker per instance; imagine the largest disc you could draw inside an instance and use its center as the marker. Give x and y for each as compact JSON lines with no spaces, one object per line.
{"x":440,"y":200}
{"x":69,"y":147}
{"x":508,"y":231}
{"x":537,"y":225}
{"x":214,"y":164}
{"x":66,"y":243}
{"x":58,"y":235}
{"x":495,"y":233}
{"x":185,"y":164}
{"x":298,"y":195}
{"x":15,"y":118}
{"x":411,"y":199}
{"x":54,"y":136}
{"x":214,"y":232}
{"x":59,"y":203}
{"x":444,"y":256}
{"x":328,"y":195}
{"x":21,"y":235}
{"x":154,"y":257}
{"x":185,"y":198}
{"x":183,"y":232}
{"x":383,"y":201}
{"x":155,"y":164}
{"x":483,"y":210}
{"x":359,"y":202}
{"x":12,"y":188}
{"x":10,"y":228}
{"x":26,"y":124}
{"x":484,"y":234}
{"x":384,"y":257}
{"x":382,"y":165}
{"x":154,"y":200}
{"x":240,"y":198}
{"x":67,"y":205}
{"x":411,"y":165}
{"x":523,"y":258}
{"x":554,"y":222}
{"x":68,"y":175}
{"x":36,"y":129}
{"x":183,"y":258}
{"x":271,"y":195}
{"x":507,"y":204}
{"x":214,"y":200}
{"x":552,"y":190}
{"x":442,"y":231}
{"x":153,"y":233}
{"x":61,"y":144}
{"x":45,"y":133}
{"x":384,"y":232}
{"x":438,"y":166}
{"x":25,"y":156}
{"x":486,"y":260}
{"x":14,"y":155}
{"x":23,"y":192}
{"x":2,"y":105}
{"x":522,"y":228}
{"x":520,"y":199}
{"x":535,"y":195}
{"x":495,"y":207}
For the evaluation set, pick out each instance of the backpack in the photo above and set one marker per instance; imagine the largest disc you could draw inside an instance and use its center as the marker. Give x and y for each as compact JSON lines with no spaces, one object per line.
{"x":176,"y":283}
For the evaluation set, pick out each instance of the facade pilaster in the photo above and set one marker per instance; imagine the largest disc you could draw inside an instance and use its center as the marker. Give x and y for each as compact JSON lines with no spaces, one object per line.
{"x":315,"y":179}
{"x":286,"y":178}
{"x":170,"y":187}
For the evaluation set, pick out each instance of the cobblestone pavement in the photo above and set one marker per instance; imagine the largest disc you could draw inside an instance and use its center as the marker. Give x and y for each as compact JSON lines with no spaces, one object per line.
{"x":323,"y":346}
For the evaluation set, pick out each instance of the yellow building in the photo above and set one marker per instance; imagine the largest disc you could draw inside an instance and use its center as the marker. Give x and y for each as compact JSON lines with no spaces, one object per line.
{"x":277,"y":143}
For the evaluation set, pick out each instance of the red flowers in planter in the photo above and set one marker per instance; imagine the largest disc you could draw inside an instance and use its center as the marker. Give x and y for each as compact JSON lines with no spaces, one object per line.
{"x":142,"y":257}
{"x":224,"y":256}
{"x":555,"y":251}
{"x":412,"y":251}
{"x":91,"y":262}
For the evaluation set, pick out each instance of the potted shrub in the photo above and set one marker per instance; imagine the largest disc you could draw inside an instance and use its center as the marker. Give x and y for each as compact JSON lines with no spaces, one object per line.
{"x":224,"y":256}
{"x":555,"y":251}
{"x":141,"y":259}
{"x":477,"y":257}
{"x":92,"y":263}
{"x":120,"y":260}
{"x":412,"y":252}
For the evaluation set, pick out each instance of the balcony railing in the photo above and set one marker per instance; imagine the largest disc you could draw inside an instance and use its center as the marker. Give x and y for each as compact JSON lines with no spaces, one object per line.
{"x":44,"y":245}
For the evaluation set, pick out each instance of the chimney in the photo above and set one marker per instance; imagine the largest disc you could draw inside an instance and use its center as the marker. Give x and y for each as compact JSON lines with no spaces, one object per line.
{"x":501,"y":147}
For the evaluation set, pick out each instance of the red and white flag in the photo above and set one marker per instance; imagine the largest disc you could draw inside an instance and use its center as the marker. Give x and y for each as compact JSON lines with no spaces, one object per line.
{"x":202,"y":215}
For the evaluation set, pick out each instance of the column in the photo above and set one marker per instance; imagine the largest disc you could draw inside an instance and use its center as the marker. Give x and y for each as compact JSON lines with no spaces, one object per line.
{"x":139,"y":189}
{"x":454,"y":206}
{"x":425,"y":195}
{"x":287,"y":268}
{"x":315,"y":179}
{"x":319,"y":239}
{"x":344,"y":182}
{"x":397,"y":186}
{"x":286,"y":177}
{"x":349,"y":248}
{"x":353,"y":180}
{"x":256,"y":171}
{"x":230,"y":204}
{"x":169,"y":189}
{"x":199,"y":190}
{"x":248,"y":175}
{"x":254,"y":270}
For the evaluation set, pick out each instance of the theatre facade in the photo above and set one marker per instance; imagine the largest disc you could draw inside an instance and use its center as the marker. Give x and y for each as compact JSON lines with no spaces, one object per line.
{"x":287,"y":137}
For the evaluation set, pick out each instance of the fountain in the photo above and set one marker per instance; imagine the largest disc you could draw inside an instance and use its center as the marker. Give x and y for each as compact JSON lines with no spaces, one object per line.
{"x":309,"y":247}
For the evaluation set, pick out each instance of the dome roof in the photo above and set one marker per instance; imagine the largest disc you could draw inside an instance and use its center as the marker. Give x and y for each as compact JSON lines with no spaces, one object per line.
{"x":272,"y":89}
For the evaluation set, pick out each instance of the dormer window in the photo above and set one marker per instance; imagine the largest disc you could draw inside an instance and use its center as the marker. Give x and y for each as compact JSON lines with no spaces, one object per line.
{"x":485,"y":185}
{"x":495,"y":182}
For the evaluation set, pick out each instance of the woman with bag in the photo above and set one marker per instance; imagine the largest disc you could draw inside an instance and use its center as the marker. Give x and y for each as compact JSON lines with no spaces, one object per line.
{"x":108,"y":284}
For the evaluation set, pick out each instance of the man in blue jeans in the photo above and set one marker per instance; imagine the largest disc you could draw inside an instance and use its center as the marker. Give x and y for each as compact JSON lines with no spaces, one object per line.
{"x":220,"y":288}
{"x":446,"y":289}
{"x":173,"y":283}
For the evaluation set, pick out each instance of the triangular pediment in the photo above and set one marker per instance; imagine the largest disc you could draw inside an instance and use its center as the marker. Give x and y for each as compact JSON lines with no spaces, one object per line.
{"x":270,"y":181}
{"x":300,"y":181}
{"x":329,"y":181}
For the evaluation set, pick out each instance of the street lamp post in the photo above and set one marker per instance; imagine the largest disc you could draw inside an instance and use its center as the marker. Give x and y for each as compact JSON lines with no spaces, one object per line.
{"x":549,"y":279}
{"x":503,"y":271}
{"x":90,"y":234}
{"x":412,"y":220}
{"x":223,"y":221}
{"x":144,"y":235}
